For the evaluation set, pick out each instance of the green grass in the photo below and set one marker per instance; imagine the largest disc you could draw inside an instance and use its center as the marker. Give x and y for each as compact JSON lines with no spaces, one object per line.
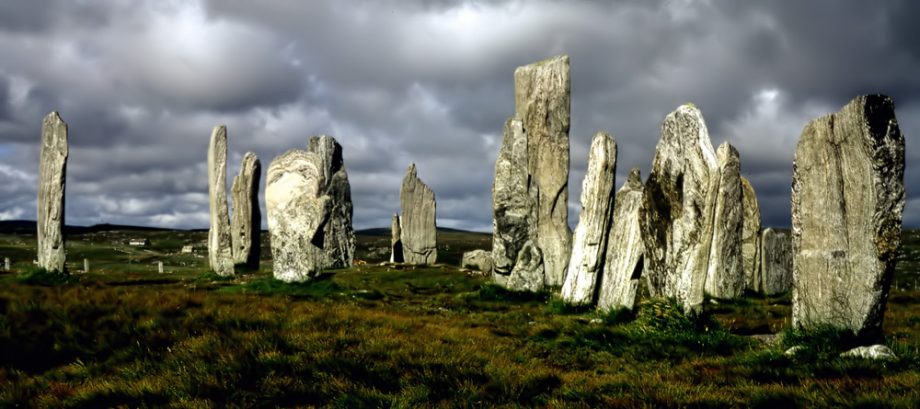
{"x":401,"y":336}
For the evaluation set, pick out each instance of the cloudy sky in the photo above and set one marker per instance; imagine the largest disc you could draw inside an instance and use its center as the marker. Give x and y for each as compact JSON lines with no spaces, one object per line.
{"x":141,"y":84}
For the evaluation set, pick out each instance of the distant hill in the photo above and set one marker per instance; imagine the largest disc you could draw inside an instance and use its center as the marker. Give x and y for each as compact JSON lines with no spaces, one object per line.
{"x":28,"y":227}
{"x":385,"y":231}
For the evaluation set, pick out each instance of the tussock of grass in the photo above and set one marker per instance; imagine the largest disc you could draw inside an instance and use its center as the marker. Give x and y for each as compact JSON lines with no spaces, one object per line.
{"x":40,"y":276}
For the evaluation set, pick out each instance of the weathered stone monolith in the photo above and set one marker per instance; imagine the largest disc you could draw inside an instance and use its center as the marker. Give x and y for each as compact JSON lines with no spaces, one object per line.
{"x":297,"y":209}
{"x":52,"y":176}
{"x":513,"y":204}
{"x":750,"y":236}
{"x":478,"y":260}
{"x":220,"y":254}
{"x":246,"y":221}
{"x":530,"y":194}
{"x":338,"y":233}
{"x":677,"y":213}
{"x":625,"y":249}
{"x":589,"y":252}
{"x":776,"y":262}
{"x":725,"y":276}
{"x":847,"y":204}
{"x":418,"y":229}
{"x":396,"y":250}
{"x":542,"y":102}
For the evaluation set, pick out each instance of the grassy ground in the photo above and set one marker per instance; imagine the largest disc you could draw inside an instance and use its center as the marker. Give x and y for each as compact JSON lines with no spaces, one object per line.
{"x":377,"y":335}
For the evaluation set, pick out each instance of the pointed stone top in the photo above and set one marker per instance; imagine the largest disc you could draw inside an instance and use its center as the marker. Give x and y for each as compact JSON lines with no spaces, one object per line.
{"x":54,"y":116}
{"x":634,"y":178}
{"x":411,"y":171}
{"x":219,"y":130}
{"x":725,"y":151}
{"x":687,"y":122}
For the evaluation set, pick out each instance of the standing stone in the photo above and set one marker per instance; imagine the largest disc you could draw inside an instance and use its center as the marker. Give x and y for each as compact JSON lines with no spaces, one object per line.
{"x":160,"y":267}
{"x":542,"y":103}
{"x":479,"y":260}
{"x":677,"y":213}
{"x":297,"y":209}
{"x":513,"y":204}
{"x":52,"y":175}
{"x":725,"y":276}
{"x":396,"y":250}
{"x":85,"y":265}
{"x":220,"y":254}
{"x":338,"y":233}
{"x":6,"y":263}
{"x":750,"y":236}
{"x":625,"y":250}
{"x":847,"y":204}
{"x":776,"y":263}
{"x":246,"y":223}
{"x":418,"y":233}
{"x":597,"y":205}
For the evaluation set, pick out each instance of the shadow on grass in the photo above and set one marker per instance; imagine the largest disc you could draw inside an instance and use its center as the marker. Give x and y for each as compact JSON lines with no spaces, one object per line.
{"x":319,"y":287}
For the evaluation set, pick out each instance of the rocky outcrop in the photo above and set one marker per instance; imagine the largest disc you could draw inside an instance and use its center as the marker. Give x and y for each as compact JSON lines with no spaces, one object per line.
{"x":297,"y":207}
{"x":478,"y":260}
{"x":750,"y":236}
{"x":246,"y":221}
{"x":530,"y":194}
{"x":847,"y":204}
{"x":725,"y":276}
{"x":876,"y":352}
{"x":52,"y":177}
{"x":677,"y":215}
{"x":625,"y":250}
{"x":589,"y":252}
{"x":396,"y":250}
{"x":776,"y":262}
{"x":418,"y":229}
{"x":338,"y":233}
{"x":220,"y":253}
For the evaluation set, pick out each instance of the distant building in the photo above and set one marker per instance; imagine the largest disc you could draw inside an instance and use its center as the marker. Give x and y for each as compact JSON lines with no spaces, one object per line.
{"x":139,"y":242}
{"x":191,"y":248}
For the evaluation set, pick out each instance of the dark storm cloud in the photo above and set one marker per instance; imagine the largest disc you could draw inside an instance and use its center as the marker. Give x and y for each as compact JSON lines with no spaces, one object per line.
{"x":426,"y":82}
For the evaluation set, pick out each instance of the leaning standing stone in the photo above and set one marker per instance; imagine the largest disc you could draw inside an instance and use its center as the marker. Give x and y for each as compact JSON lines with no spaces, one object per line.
{"x":338,"y":233}
{"x":750,"y":236}
{"x":677,"y":214}
{"x":590,"y":243}
{"x":297,"y":209}
{"x":220,"y":252}
{"x":246,"y":222}
{"x":418,"y":234}
{"x":625,"y":250}
{"x":52,"y":175}
{"x":847,"y":203}
{"x":776,"y":262}
{"x":725,"y":277}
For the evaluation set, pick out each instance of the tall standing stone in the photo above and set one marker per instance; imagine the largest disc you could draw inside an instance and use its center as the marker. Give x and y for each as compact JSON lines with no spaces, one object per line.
{"x":419,"y":235}
{"x":338,"y":233}
{"x":847,"y":204}
{"x":246,"y":221}
{"x":589,"y":252}
{"x":530,"y":195}
{"x":396,"y":250}
{"x":725,"y":276}
{"x":542,"y":102}
{"x":625,"y":250}
{"x":297,"y":207}
{"x":677,"y":214}
{"x":52,"y":176}
{"x":750,"y":236}
{"x":220,"y":254}
{"x":513,"y":204}
{"x":776,"y":262}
